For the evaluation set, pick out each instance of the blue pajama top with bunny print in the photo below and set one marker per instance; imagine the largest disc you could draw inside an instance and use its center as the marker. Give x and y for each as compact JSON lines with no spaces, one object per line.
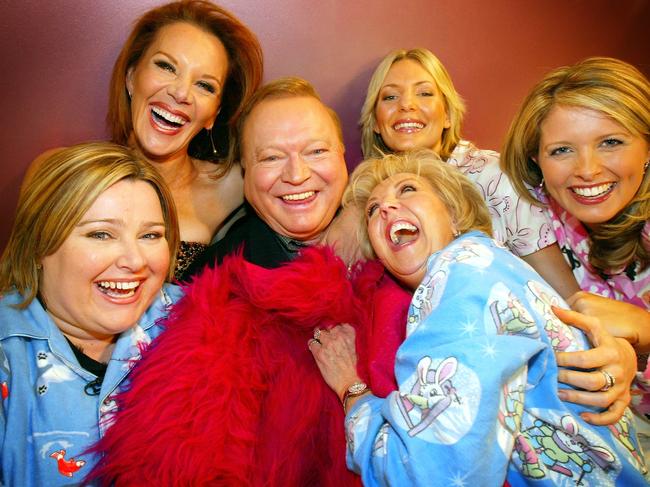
{"x":477,"y":400}
{"x":47,"y":420}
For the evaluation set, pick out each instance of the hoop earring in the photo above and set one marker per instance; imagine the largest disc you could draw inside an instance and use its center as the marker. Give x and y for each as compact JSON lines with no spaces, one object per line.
{"x":214,"y":149}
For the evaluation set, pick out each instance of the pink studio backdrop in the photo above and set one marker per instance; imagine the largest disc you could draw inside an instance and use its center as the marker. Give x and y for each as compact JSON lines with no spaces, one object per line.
{"x":58,"y":54}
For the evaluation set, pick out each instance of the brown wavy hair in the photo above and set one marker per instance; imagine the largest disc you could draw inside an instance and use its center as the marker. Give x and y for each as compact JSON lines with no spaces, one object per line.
{"x":619,"y":91}
{"x":245,"y":71}
{"x":58,"y":195}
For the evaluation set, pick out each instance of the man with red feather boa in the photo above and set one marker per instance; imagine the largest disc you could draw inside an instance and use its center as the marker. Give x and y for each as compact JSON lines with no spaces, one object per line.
{"x":230,"y":394}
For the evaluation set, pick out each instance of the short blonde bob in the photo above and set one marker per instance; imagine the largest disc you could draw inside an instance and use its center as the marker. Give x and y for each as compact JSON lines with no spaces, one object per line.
{"x":372,"y":144}
{"x":245,"y":71}
{"x":459,"y":195}
{"x":619,"y":91}
{"x":55,"y":199}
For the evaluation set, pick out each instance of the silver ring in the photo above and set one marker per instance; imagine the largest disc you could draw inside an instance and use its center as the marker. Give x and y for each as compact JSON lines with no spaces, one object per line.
{"x":312,"y":341}
{"x":317,"y":333}
{"x":610,"y":381}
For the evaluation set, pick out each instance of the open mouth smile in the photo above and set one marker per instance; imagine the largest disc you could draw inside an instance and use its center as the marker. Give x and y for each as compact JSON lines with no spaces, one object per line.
{"x":298,"y":196}
{"x":593,"y":191}
{"x":402,"y":233}
{"x":118,"y":289}
{"x":166,"y":119}
{"x":410,"y":126}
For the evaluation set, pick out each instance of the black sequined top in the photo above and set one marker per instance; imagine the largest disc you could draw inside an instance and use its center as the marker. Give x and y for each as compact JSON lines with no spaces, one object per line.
{"x":187,"y":253}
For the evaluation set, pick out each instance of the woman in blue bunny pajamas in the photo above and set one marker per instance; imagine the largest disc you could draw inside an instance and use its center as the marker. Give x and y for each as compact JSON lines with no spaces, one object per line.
{"x":477,"y":402}
{"x":82,"y":287}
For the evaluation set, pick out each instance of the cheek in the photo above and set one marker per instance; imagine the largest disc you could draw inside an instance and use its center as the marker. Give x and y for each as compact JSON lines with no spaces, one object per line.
{"x":209,"y":109}
{"x":374,"y":236}
{"x":159,"y":262}
{"x":381,"y":115}
{"x":335,"y":176}
{"x":257,"y":181}
{"x":552,"y":172}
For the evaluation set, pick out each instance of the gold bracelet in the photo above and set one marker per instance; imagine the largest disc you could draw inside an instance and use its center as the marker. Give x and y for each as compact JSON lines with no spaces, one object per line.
{"x":354,"y":390}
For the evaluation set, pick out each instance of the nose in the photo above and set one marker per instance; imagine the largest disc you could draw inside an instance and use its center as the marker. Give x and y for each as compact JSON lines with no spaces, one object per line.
{"x":588,"y":165}
{"x":131,"y":257}
{"x":387,"y":205}
{"x":296,"y":171}
{"x":407,"y":101}
{"x":179,"y":90}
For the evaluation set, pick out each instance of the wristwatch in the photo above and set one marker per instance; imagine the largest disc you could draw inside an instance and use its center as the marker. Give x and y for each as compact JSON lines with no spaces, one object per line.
{"x":354,"y":390}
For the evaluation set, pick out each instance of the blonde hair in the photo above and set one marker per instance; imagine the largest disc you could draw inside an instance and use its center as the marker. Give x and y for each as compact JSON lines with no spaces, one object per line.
{"x":619,"y":91}
{"x":245,"y":70}
{"x":55,"y":199}
{"x":459,"y":195}
{"x":286,"y":87}
{"x":372,"y":144}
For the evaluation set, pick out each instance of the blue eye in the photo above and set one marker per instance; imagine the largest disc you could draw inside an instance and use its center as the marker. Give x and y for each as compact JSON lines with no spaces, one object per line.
{"x":560,"y":151}
{"x":407,"y":188}
{"x":99,"y":235}
{"x":152,"y":235}
{"x":611,"y":142}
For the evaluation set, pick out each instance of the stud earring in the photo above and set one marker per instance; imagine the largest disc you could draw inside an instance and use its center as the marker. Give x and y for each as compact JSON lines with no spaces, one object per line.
{"x":645,"y":166}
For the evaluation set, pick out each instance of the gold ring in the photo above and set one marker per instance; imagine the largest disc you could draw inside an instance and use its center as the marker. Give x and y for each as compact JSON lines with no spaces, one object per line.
{"x":610,"y":381}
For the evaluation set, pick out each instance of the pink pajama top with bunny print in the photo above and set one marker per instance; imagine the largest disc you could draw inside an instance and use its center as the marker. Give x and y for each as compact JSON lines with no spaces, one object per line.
{"x":477,"y":402}
{"x":522,"y":227}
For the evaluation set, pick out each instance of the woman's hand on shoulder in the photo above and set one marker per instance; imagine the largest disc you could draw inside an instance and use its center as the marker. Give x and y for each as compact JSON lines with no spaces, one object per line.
{"x":611,"y":357}
{"x":623,"y":320}
{"x":342,"y":235}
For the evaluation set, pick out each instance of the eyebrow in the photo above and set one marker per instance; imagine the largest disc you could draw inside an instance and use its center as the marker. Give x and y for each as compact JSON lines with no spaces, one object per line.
{"x":395,"y":85}
{"x":204,"y":75}
{"x":117,"y":222}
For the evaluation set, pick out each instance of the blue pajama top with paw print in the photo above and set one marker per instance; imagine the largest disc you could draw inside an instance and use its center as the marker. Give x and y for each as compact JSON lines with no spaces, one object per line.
{"x":477,"y":400}
{"x":47,"y":417}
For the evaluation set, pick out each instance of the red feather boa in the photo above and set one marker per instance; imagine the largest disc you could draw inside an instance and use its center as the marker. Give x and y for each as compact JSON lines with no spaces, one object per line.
{"x":231,"y":395}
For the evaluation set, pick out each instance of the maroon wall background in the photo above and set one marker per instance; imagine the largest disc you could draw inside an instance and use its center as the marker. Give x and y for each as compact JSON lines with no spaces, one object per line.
{"x":57,"y":56}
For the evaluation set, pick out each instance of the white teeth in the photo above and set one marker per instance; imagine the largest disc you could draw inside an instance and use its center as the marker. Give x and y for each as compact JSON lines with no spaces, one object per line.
{"x":299,"y":196}
{"x":400,"y":226}
{"x":170,"y":117}
{"x":119,"y":284}
{"x":408,"y":125}
{"x":593,"y":190}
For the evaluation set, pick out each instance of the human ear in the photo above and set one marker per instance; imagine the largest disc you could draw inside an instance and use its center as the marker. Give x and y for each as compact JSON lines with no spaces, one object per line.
{"x":129,"y":81}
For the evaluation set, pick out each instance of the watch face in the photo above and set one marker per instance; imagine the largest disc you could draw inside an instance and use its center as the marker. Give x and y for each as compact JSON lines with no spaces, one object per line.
{"x":358,"y":387}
